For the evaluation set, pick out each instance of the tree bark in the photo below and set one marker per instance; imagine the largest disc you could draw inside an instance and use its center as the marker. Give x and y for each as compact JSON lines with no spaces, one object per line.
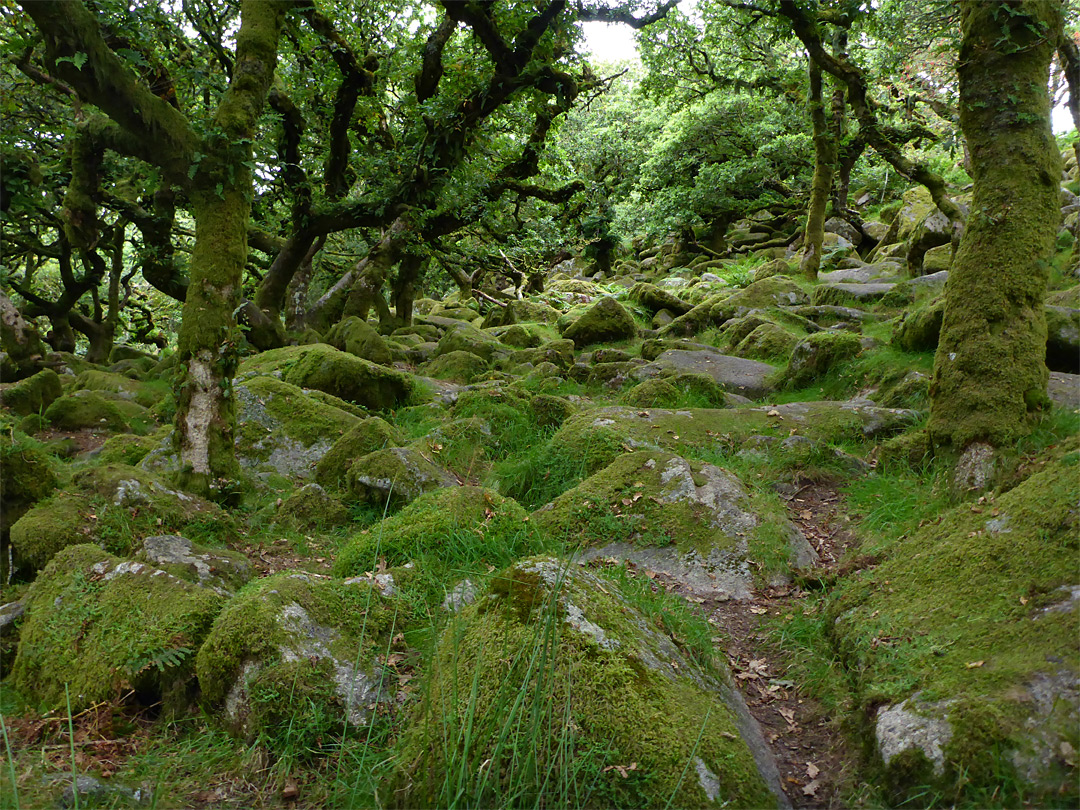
{"x":18,"y":338}
{"x":221,"y":204}
{"x":824,"y":162}
{"x":989,"y":370}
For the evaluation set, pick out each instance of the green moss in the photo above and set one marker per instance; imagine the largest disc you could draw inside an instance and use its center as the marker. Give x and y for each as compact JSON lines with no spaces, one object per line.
{"x":596,"y":436}
{"x":115,"y":505}
{"x":278,"y":640}
{"x":370,"y":435}
{"x":768,"y":341}
{"x":86,"y":409}
{"x":606,"y":320}
{"x":960,"y":610}
{"x":334,"y":372}
{"x":52,"y":525}
{"x":32,"y":395}
{"x":430,"y":526}
{"x":459,"y":366}
{"x":145,"y":394}
{"x":358,"y":337}
{"x":311,"y":508}
{"x":26,"y":473}
{"x":471,"y":340}
{"x":628,"y":501}
{"x":100,"y":626}
{"x":544,"y":704}
{"x":817,"y":354}
{"x":654,"y":393}
{"x":394,"y":476}
{"x":126,"y":449}
{"x":295,"y":414}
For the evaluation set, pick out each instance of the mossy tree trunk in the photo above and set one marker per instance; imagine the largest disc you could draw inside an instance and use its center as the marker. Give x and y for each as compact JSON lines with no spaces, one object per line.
{"x":212,"y":168}
{"x":19,"y":339}
{"x":221,"y":205}
{"x":989,"y":370}
{"x":824,"y":164}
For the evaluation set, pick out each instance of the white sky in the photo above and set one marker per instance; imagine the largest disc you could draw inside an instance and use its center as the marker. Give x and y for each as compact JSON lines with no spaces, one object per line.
{"x":608,"y":42}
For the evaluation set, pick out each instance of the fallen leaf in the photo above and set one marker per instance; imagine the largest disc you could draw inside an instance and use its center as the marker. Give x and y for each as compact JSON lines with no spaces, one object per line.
{"x":811,"y":789}
{"x":773,"y":412}
{"x":788,"y":714}
{"x":974,"y":664}
{"x":812,"y":770}
{"x":758,"y":610}
{"x":290,"y":791}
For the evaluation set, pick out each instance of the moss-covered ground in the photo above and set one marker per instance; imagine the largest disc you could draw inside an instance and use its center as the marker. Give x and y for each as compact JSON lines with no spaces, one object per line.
{"x":555,"y":440}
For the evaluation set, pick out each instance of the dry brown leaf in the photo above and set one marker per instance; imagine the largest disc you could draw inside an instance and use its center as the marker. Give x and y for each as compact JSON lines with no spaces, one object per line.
{"x":811,"y":789}
{"x":974,"y":664}
{"x":812,"y":770}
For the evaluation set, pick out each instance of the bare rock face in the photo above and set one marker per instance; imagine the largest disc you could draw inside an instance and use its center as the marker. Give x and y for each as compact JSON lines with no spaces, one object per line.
{"x":914,"y":726}
{"x":976,"y":469}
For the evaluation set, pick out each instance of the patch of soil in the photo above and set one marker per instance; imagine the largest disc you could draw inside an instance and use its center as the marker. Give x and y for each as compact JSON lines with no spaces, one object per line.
{"x":805,"y":742}
{"x":82,"y":441}
{"x":809,"y":751}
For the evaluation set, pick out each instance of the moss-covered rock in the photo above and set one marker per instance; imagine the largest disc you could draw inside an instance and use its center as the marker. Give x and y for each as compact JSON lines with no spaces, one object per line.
{"x":310,"y":507}
{"x":527,"y":311}
{"x":554,"y":657}
{"x":61,"y":521}
{"x":26,"y":472}
{"x":97,"y":626}
{"x":431,"y":525}
{"x":606,"y":320}
{"x":458,"y":366}
{"x":520,"y":337}
{"x":116,"y":506}
{"x":121,"y":352}
{"x":819,"y":353}
{"x":358,"y":337}
{"x":396,"y":475}
{"x":775,"y":291}
{"x":86,"y":409}
{"x":282,"y":429}
{"x":469,"y":339}
{"x":980,"y":609}
{"x":558,"y":352}
{"x":366,"y":437}
{"x":768,"y":341}
{"x":655,"y":393}
{"x":33,"y":394}
{"x":336,"y":372}
{"x":146,"y":394}
{"x":128,"y":449}
{"x":296,"y":659}
{"x":221,"y":570}
{"x":654,"y":299}
{"x":691,"y":520}
{"x":919,"y":327}
{"x":596,"y":436}
{"x":844,"y":294}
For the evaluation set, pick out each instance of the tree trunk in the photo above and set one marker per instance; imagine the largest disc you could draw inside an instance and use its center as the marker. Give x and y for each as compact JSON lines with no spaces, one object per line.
{"x":409,"y":272}
{"x":18,"y":338}
{"x":989,"y":370}
{"x":102,"y":338}
{"x":824,"y":161}
{"x":221,"y":204}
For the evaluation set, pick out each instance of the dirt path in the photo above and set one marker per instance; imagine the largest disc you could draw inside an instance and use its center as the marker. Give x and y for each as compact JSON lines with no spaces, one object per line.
{"x":804,"y":738}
